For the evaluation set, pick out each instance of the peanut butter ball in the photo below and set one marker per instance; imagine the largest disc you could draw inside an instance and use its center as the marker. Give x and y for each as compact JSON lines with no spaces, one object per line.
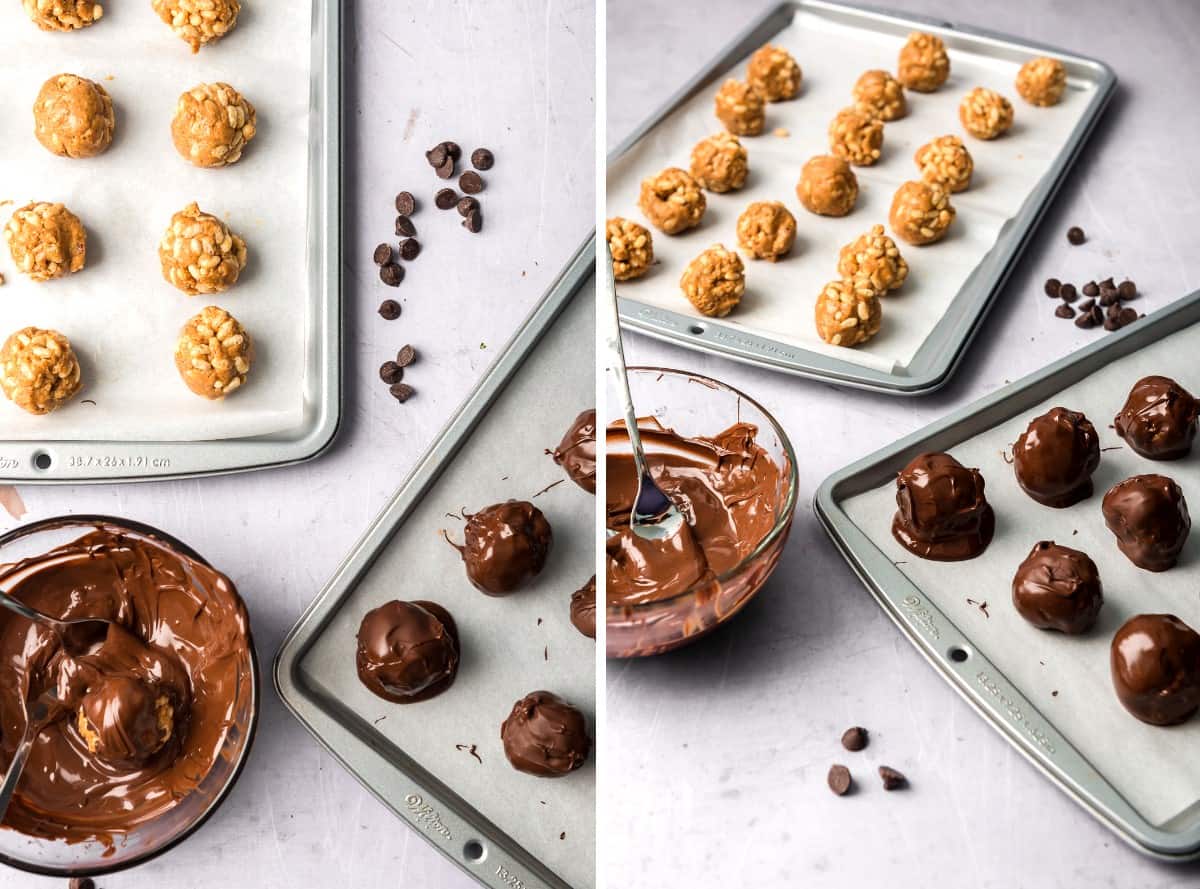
{"x":872,"y":263}
{"x":199,"y":254}
{"x":947,"y":162}
{"x":878,"y":94}
{"x":856,"y":136}
{"x":73,"y":117}
{"x":714,"y":281}
{"x":631,"y":247}
{"x":985,"y":114}
{"x":46,"y":241}
{"x":827,"y":187}
{"x":921,"y":212}
{"x":197,"y":22}
{"x":720,"y":163}
{"x":672,"y":201}
{"x":923,"y":65}
{"x":1041,"y":81}
{"x":213,"y":353}
{"x":63,"y":15}
{"x":766,"y":230}
{"x":38,"y":370}
{"x":774,"y":73}
{"x":741,"y":108}
{"x":125,"y":721}
{"x":846,"y":318}
{"x":213,"y":124}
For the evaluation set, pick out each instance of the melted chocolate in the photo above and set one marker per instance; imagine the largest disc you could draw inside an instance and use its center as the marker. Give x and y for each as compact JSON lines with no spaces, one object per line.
{"x":1156,"y":668}
{"x":545,"y":736}
{"x":1150,"y":518}
{"x":1055,"y":457}
{"x":583,"y":608}
{"x":505,"y":547}
{"x":1058,"y":588}
{"x":407,"y":651}
{"x":1159,"y":419}
{"x":576,"y":453}
{"x":146,"y":712}
{"x":943,"y":514}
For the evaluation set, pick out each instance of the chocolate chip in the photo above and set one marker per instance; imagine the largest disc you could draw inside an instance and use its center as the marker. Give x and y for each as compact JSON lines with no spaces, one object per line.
{"x":1097,"y":315}
{"x":471,"y":182}
{"x":437,"y":155}
{"x":405,"y":227}
{"x":391,"y":274}
{"x":474,"y":222}
{"x":1068,"y":293}
{"x":406,"y":356}
{"x":389,"y":310}
{"x":1108,"y":283}
{"x":854,"y":738}
{"x":1064,"y":311}
{"x":482,"y":159}
{"x":839,"y":780}
{"x":1085,"y":321}
{"x":1053,"y":285}
{"x":1075,"y":235}
{"x":445,"y":198}
{"x":892,"y":780}
{"x":1127,"y":316}
{"x":1086,"y":305}
{"x":1108,"y":296}
{"x":1127,"y":290}
{"x":1111,"y":323}
{"x":410,"y":249}
{"x":391,"y":372}
{"x":406,"y":203}
{"x":81,"y":883}
{"x":1091,"y":288}
{"x":446,"y":170}
{"x":466,"y":205}
{"x":383,"y":254}
{"x":1114,"y":310}
{"x":452,"y":149}
{"x":402,"y":392}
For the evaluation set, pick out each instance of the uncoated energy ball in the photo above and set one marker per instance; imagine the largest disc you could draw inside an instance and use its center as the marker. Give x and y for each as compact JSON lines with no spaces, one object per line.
{"x":631,"y":247}
{"x":672,"y":201}
{"x":774,"y":73}
{"x":923,"y":65}
{"x":985,"y":114}
{"x":720,"y":163}
{"x":845,"y":318}
{"x":856,"y":136}
{"x":38,"y":370}
{"x":47,"y":241}
{"x":198,"y":22}
{"x":741,"y":108}
{"x":947,"y":162}
{"x":213,"y":353}
{"x":872,"y":263}
{"x":63,"y":15}
{"x":73,"y":117}
{"x":827,"y":186}
{"x":921,"y":212}
{"x":714,"y":281}
{"x":766,"y":230}
{"x":878,"y":94}
{"x":213,"y":124}
{"x":199,"y":254}
{"x":1041,"y":81}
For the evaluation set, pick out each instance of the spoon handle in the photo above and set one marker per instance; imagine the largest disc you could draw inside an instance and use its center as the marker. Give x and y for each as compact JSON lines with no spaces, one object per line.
{"x":616,"y":363}
{"x":35,"y":715}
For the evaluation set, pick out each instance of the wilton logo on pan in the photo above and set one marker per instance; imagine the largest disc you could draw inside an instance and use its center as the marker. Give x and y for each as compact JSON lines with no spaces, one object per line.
{"x":426,"y":816}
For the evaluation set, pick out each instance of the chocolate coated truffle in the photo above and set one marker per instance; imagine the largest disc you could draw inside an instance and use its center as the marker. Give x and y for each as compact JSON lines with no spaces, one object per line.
{"x":124,"y":720}
{"x":407,"y":651}
{"x":1158,"y":419}
{"x":545,"y":736}
{"x":1150,"y":518}
{"x":506,"y":545}
{"x":1156,"y":668}
{"x":583,"y":608}
{"x":1055,"y":457}
{"x":1058,"y":588}
{"x":943,"y":514}
{"x":576,"y":453}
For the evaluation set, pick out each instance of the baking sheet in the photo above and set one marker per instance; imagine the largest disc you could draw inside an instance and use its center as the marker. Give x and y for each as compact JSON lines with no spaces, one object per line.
{"x":119,"y":313}
{"x":1067,"y":678}
{"x":779,"y":301}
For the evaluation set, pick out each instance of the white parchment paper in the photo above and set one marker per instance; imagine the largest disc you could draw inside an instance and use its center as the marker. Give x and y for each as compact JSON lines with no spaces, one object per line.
{"x":119,"y":313}
{"x":780,"y":297}
{"x":1067,"y":678}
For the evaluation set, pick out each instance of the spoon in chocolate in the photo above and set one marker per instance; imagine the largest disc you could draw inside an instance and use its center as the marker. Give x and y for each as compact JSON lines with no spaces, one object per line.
{"x":37,"y":716}
{"x":654,"y":516}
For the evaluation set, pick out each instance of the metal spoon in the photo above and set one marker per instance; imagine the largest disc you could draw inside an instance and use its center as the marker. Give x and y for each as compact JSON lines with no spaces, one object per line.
{"x":654,"y":516}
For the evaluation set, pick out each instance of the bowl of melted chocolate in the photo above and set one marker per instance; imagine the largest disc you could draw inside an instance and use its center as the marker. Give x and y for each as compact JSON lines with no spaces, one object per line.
{"x":730,"y":470}
{"x":155,"y":717}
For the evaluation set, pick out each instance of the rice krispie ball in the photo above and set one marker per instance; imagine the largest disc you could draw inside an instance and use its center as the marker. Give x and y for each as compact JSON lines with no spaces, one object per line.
{"x":923,"y":65}
{"x":846,"y":318}
{"x":47,"y":241}
{"x":672,"y":201}
{"x":714,"y":281}
{"x":741,"y":108}
{"x":199,"y":254}
{"x":878,"y":94}
{"x":827,"y":187}
{"x":720,"y":163}
{"x":73,"y":117}
{"x":1041,"y":81}
{"x":213,"y":124}
{"x":214,"y":353}
{"x":766,"y":230}
{"x":774,"y":73}
{"x":946,"y":161}
{"x":856,"y":136}
{"x":921,"y":212}
{"x":631,"y":247}
{"x":872,"y":263}
{"x":985,"y":114}
{"x":38,"y":370}
{"x":63,"y":15}
{"x":198,"y":22}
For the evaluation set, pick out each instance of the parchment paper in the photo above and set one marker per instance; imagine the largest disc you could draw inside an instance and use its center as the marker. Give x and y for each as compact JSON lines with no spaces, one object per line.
{"x":780,"y":297}
{"x":119,"y":313}
{"x":1155,"y":769}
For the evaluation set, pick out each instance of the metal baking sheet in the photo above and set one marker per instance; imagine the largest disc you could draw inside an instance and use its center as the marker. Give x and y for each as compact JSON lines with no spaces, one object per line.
{"x":1138,"y":780}
{"x":942,"y":349}
{"x":505,"y":828}
{"x":77,"y":453}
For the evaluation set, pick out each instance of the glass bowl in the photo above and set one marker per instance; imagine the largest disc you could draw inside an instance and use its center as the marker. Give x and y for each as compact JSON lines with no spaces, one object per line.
{"x":92,"y":858}
{"x":694,"y":405}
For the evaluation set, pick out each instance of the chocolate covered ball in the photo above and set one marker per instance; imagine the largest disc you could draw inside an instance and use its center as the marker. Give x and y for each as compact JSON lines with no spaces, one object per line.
{"x":943,"y":514}
{"x":1156,"y":668}
{"x":1150,"y":518}
{"x":576,"y":453}
{"x":583,"y":608}
{"x":125,"y":720}
{"x":1058,"y":588}
{"x":1159,"y":419}
{"x":505,"y":547}
{"x":545,"y":736}
{"x":407,"y":651}
{"x":1055,"y":457}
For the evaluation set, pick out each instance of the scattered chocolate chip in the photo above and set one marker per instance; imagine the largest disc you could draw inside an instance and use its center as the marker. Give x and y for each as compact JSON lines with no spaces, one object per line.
{"x":1075,"y":235}
{"x":1111,"y":323}
{"x":1091,"y":288}
{"x":839,"y":780}
{"x":1127,"y":316}
{"x":410,"y":249}
{"x":471,"y":182}
{"x":1052,"y":287}
{"x":446,"y":170}
{"x":892,"y":780}
{"x":854,"y":738}
{"x":406,"y":356}
{"x":1068,"y":293}
{"x":402,"y":392}
{"x":1064,"y":311}
{"x":1097,"y":315}
{"x":445,"y":198}
{"x":1086,"y":305}
{"x":474,"y":222}
{"x":81,"y":883}
{"x":1108,"y":296}
{"x":405,"y":227}
{"x":389,"y":310}
{"x":466,"y":205}
{"x":383,"y":254}
{"x":391,"y":372}
{"x":437,"y":155}
{"x":1108,"y":283}
{"x":452,"y":149}
{"x":1085,"y":321}
{"x":406,"y":203}
{"x":1127,"y":290}
{"x":482,"y":159}
{"x":1114,"y":309}
{"x":391,"y":274}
